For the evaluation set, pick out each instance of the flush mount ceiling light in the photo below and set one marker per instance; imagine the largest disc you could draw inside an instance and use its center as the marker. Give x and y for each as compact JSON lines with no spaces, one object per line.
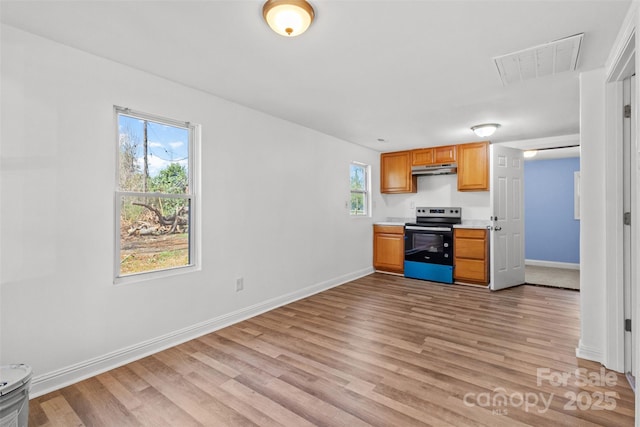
{"x":485,"y":130}
{"x":529,"y":154}
{"x":288,"y":17}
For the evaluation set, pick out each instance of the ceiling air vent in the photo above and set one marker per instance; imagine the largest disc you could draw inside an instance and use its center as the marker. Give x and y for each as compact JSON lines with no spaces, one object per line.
{"x":539,"y":61}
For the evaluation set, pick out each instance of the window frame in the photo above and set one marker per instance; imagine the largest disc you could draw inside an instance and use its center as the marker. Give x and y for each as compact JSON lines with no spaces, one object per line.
{"x":366,"y":192}
{"x":193,"y":180}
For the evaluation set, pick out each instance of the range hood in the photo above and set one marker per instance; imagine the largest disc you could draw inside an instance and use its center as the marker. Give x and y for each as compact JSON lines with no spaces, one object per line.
{"x":444,"y":169}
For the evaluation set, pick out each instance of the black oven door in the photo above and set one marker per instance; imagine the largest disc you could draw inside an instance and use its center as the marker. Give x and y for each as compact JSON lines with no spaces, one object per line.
{"x":433,"y":245}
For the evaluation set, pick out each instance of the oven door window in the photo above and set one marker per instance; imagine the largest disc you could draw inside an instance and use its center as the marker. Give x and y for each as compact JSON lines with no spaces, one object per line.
{"x":422,"y":246}
{"x":431,"y":243}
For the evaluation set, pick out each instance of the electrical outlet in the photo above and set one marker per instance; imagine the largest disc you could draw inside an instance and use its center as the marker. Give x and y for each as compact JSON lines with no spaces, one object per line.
{"x":412,"y":205}
{"x":239,"y":284}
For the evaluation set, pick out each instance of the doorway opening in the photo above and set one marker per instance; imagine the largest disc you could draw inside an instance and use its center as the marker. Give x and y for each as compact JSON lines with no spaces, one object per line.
{"x":552,"y":217}
{"x":551,"y":210}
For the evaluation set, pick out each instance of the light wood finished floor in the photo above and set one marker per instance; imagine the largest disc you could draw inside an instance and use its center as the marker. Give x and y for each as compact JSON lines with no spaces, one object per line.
{"x":382,"y":351}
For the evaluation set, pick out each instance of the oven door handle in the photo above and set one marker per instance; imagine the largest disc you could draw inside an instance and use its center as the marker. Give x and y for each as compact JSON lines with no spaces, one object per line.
{"x":411,"y":227}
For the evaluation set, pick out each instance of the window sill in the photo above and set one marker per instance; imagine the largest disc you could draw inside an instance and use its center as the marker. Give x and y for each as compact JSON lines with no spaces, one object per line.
{"x":154,"y":275}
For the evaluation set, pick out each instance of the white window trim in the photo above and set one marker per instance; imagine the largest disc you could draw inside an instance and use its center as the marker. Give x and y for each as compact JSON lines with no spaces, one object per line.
{"x":194,"y":208}
{"x":367,"y":192}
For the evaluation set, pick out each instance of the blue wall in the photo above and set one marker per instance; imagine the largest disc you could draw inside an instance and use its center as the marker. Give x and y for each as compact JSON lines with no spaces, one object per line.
{"x":551,"y":232}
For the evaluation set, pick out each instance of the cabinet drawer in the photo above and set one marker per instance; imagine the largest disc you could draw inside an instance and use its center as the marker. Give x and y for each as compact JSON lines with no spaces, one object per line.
{"x":469,"y":269}
{"x":471,"y":233}
{"x":389,"y":229}
{"x":470,"y":248}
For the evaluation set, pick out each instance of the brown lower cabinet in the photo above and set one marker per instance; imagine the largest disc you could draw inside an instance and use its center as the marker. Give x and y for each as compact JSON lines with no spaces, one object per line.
{"x":471,"y":256}
{"x":388,"y":248}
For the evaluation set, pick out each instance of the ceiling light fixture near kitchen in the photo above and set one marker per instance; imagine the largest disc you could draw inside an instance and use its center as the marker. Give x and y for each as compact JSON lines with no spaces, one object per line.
{"x":288,"y":17}
{"x":530,"y":153}
{"x":485,"y":130}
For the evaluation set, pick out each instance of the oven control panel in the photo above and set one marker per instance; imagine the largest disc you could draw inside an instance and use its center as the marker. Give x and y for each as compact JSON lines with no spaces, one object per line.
{"x":439,"y":212}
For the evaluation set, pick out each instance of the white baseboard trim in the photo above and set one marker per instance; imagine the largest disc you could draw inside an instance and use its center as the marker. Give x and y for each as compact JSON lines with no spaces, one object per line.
{"x":54,"y":380}
{"x":589,"y":353}
{"x":553,"y":264}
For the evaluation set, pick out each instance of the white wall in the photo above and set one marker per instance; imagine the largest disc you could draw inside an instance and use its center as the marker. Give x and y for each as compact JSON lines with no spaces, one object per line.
{"x":592,"y":215}
{"x":273,"y":211}
{"x":438,"y":190}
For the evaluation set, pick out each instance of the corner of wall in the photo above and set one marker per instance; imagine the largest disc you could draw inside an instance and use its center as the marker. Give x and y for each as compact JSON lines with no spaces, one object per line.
{"x":593,"y":215}
{"x":588,"y":353}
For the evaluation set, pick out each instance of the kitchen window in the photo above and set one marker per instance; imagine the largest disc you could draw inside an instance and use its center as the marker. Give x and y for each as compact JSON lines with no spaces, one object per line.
{"x":155,"y":196}
{"x":360,"y":189}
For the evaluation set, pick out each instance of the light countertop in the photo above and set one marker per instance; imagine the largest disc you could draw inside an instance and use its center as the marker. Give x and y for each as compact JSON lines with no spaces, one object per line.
{"x":473,"y":223}
{"x":395,"y":221}
{"x":467,"y":223}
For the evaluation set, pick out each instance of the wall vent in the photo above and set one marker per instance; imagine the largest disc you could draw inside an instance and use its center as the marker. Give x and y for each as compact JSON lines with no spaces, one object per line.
{"x":539,"y":61}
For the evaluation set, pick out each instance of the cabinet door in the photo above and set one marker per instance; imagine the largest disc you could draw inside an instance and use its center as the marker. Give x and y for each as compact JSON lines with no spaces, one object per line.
{"x":395,"y":173}
{"x":388,"y":251}
{"x":473,"y":166}
{"x":446,"y":154}
{"x":422,"y":157}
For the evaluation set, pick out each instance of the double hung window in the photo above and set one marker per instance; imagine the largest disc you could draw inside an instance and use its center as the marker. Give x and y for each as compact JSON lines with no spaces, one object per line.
{"x":155,"y":196}
{"x":360,"y":193}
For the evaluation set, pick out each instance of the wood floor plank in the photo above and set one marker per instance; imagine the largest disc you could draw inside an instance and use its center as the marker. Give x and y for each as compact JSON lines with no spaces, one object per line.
{"x":96,"y":406}
{"x":165,"y":408}
{"x":274,"y":410}
{"x":191,"y":399}
{"x":233,"y":405}
{"x":119,"y":391}
{"x":60,"y":413}
{"x":378,"y":351}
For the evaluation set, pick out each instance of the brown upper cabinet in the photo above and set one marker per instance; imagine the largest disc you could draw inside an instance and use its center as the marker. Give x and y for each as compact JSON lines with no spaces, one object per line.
{"x":433,"y":155}
{"x":473,"y":166}
{"x":446,"y":154}
{"x":422,"y":157}
{"x":472,"y":160}
{"x":395,"y":173}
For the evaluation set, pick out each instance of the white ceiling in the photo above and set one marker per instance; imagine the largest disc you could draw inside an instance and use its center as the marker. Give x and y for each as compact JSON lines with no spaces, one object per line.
{"x":415,"y":73}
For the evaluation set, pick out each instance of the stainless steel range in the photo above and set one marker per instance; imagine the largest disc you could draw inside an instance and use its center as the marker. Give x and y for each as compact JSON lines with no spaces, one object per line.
{"x":428,"y":244}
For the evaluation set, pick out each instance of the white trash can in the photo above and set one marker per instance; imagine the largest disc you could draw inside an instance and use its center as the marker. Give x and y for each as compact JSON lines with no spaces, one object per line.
{"x":15,"y":381}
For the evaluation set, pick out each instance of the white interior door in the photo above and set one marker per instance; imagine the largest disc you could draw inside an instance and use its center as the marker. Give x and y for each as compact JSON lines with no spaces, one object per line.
{"x":507,"y":206}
